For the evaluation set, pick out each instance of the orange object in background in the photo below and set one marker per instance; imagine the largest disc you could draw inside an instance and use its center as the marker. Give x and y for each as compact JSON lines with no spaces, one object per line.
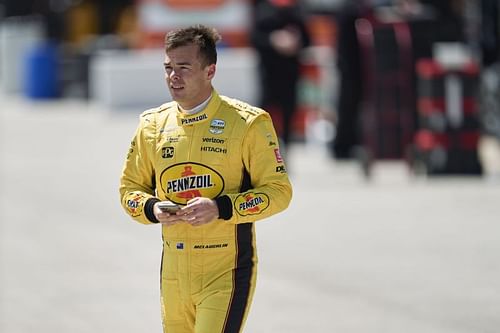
{"x":190,"y":4}
{"x":323,"y":30}
{"x":156,"y":39}
{"x":307,"y":98}
{"x":82,"y":23}
{"x":308,"y":102}
{"x":231,"y":17}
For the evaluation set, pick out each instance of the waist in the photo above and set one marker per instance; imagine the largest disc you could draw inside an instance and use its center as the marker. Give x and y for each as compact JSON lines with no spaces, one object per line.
{"x":218,"y":229}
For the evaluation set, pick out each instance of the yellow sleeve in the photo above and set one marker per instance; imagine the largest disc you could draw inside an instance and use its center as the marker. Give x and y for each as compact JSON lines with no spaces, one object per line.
{"x":137,"y":184}
{"x":269,"y":190}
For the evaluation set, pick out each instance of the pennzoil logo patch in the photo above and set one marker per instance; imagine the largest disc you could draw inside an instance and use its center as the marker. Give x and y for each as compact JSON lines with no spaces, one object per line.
{"x":251,"y":203}
{"x":184,"y":181}
{"x":194,"y":119}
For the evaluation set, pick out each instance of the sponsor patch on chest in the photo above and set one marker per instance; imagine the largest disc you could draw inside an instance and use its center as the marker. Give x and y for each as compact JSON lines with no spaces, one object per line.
{"x":217,"y":126}
{"x":184,"y":181}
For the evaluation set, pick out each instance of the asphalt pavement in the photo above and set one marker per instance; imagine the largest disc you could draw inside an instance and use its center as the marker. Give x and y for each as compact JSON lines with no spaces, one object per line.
{"x":391,"y":255}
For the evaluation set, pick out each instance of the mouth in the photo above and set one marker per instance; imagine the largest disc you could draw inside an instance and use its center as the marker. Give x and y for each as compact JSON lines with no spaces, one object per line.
{"x":176,"y":87}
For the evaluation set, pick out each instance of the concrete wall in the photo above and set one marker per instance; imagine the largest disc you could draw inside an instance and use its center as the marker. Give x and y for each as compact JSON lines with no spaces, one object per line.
{"x":135,"y":79}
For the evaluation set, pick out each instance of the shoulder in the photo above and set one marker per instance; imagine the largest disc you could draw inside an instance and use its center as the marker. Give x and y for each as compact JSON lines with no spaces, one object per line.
{"x":149,"y":118}
{"x":159,"y":110}
{"x":244,"y":110}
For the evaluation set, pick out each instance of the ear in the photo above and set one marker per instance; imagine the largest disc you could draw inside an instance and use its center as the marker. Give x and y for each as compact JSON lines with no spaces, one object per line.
{"x":211,"y":71}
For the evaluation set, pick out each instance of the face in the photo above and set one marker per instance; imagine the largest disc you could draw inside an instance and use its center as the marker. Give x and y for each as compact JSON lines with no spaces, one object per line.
{"x":188,"y":81}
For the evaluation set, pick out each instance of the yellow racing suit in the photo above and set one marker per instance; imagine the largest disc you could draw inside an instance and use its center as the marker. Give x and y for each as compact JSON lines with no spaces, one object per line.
{"x":228,"y":152}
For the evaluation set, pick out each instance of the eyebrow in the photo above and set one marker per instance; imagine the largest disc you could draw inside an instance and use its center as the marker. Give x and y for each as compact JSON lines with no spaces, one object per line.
{"x":178,"y":64}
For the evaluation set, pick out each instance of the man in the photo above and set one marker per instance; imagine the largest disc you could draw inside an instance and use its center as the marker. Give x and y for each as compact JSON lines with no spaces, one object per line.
{"x":279,"y":35}
{"x":219,"y":159}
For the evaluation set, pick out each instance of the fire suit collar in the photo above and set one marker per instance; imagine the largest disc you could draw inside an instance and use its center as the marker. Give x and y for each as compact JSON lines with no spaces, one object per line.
{"x":202,"y":116}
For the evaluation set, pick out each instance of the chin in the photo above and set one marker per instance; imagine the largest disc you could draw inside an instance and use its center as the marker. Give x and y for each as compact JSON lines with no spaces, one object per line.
{"x":176,"y":95}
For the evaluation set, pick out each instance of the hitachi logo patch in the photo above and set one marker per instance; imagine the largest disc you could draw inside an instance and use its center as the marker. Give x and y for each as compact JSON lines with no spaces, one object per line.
{"x":214,"y":149}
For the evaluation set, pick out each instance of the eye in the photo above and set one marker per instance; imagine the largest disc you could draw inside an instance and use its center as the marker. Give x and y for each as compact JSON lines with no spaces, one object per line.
{"x":168,"y":68}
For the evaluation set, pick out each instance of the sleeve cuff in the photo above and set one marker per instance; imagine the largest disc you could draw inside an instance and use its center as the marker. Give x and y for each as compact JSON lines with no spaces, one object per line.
{"x":225,"y":207}
{"x":148,"y":209}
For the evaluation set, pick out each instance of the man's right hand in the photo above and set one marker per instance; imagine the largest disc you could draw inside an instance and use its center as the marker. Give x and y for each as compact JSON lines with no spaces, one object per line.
{"x":167,"y":218}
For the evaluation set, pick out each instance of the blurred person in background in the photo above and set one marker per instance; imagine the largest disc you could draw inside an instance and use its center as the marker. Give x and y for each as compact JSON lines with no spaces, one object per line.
{"x":103,"y":24}
{"x":430,"y":21}
{"x":445,"y":24}
{"x":279,"y":34}
{"x":110,"y":12}
{"x":350,"y":82}
{"x":218,"y":158}
{"x":490,"y":32}
{"x":348,"y":65}
{"x":490,"y":86}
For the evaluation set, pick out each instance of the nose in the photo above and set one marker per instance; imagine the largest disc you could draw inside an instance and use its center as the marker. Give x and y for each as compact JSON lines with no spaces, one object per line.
{"x":173,"y":76}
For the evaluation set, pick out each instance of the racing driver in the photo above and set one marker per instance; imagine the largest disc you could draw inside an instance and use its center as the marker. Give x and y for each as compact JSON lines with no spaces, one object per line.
{"x":218,"y":159}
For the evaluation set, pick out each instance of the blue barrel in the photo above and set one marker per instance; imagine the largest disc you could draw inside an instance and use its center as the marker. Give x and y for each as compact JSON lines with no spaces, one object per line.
{"x":41,"y":72}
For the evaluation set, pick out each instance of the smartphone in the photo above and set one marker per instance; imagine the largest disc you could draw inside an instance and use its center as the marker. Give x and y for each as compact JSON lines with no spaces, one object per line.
{"x":168,"y":207}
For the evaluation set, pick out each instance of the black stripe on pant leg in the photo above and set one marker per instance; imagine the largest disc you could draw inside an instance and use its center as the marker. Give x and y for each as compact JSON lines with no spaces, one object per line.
{"x":242,"y":277}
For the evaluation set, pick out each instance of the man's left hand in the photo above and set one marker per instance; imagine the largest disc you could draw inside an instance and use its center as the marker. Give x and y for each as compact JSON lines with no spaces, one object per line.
{"x":199,"y":211}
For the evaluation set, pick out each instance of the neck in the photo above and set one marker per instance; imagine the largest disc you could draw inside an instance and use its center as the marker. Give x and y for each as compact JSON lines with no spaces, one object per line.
{"x":197,"y":108}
